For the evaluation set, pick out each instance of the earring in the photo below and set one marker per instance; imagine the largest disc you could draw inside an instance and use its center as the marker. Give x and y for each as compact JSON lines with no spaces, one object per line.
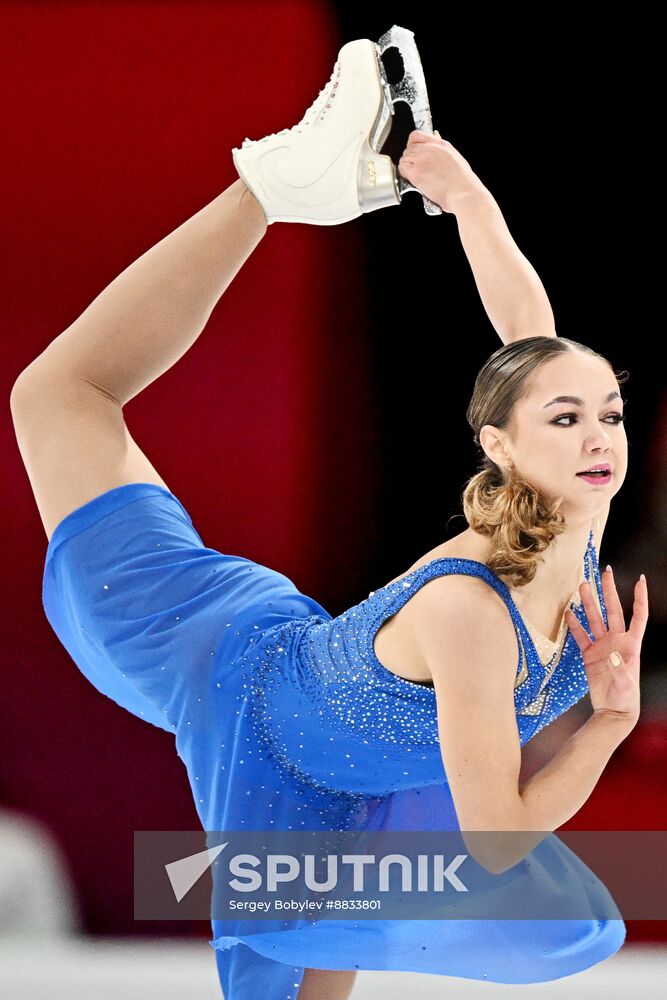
{"x":508,"y":465}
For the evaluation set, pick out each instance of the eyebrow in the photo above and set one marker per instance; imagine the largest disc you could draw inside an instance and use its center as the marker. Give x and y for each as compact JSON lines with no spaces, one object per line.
{"x":580,"y":402}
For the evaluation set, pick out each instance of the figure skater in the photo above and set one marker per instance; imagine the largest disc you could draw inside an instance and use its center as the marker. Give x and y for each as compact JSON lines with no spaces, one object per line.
{"x":408,"y":711}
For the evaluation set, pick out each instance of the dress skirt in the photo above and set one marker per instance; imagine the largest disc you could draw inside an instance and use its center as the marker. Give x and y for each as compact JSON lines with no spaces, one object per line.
{"x":185,"y":637}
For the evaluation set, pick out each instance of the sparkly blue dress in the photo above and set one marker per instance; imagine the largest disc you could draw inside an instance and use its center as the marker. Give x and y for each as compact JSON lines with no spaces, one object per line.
{"x":286,"y":720}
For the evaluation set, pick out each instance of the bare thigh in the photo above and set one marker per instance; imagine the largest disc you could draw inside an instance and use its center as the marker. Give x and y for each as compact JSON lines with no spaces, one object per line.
{"x":326,"y":984}
{"x":74,"y":443}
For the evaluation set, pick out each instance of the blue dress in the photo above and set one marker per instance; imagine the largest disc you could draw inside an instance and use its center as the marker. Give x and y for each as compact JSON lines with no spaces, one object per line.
{"x":286,"y":720}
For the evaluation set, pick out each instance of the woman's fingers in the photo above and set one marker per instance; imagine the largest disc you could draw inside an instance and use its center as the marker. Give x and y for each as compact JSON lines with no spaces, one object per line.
{"x":419,"y":135}
{"x":578,"y":631}
{"x":639,"y":610}
{"x":615,"y":615}
{"x":598,"y":627}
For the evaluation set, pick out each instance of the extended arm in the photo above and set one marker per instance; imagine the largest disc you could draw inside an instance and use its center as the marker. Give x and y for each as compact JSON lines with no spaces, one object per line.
{"x":510,"y":288}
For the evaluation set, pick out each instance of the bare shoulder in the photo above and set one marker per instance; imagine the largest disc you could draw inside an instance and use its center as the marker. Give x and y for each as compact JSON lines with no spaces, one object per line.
{"x":458,"y":618}
{"x":457,"y":597}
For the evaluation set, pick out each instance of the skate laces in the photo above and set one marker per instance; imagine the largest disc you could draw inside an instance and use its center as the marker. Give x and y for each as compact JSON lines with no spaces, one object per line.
{"x":311,"y":114}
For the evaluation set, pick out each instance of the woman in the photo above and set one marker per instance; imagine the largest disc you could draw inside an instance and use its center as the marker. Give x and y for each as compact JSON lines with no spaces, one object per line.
{"x":415,"y":720}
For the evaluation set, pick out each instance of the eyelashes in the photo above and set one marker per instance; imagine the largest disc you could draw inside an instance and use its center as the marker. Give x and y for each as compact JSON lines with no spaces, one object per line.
{"x":618,"y":419}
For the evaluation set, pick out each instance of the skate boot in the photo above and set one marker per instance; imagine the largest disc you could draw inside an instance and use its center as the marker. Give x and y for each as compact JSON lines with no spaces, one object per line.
{"x":328,"y":169}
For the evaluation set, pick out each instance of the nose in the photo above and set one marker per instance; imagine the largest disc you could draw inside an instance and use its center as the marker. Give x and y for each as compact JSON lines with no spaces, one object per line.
{"x":599,"y":442}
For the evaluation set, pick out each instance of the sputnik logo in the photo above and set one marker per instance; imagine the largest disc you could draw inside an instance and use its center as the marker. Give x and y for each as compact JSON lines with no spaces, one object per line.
{"x":184,"y":873}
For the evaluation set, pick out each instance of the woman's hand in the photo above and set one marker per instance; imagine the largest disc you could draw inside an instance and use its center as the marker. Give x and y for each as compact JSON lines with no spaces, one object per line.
{"x":614,"y":689}
{"x":437,"y":170}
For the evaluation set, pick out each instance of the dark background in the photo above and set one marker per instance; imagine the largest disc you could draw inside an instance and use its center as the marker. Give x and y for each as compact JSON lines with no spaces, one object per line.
{"x":318,"y":424}
{"x":555,"y":116}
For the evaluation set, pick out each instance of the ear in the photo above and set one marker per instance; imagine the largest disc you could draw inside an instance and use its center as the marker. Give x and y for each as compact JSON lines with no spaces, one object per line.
{"x":493,"y":442}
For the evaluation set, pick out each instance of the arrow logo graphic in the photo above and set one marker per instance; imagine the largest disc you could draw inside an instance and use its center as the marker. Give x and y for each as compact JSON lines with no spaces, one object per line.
{"x":184,"y":873}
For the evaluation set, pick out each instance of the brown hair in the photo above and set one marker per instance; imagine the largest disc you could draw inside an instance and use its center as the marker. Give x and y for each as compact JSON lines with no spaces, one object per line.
{"x":502,"y":506}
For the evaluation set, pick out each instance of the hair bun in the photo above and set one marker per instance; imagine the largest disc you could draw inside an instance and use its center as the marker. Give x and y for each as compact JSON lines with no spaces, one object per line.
{"x":514,"y":516}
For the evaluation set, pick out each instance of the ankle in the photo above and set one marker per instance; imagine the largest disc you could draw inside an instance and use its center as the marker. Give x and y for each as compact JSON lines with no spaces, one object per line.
{"x":247,"y":198}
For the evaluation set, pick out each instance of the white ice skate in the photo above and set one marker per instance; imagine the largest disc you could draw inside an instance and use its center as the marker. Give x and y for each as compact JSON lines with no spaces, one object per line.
{"x":328,"y":169}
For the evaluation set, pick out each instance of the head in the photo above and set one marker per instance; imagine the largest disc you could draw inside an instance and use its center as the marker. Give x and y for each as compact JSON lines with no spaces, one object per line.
{"x":527,"y":491}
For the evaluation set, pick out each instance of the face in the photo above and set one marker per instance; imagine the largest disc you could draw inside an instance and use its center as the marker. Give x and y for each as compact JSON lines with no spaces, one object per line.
{"x":550,"y":442}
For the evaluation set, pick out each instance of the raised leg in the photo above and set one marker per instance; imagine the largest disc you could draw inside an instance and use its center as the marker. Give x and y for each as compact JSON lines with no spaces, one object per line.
{"x":67,"y":404}
{"x":149,"y":315}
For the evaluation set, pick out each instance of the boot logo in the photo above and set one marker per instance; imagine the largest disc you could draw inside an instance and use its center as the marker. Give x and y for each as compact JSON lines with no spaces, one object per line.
{"x":371,"y":173}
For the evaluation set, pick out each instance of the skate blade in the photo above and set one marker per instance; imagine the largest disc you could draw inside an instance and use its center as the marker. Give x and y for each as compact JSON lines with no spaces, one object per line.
{"x":411,"y":89}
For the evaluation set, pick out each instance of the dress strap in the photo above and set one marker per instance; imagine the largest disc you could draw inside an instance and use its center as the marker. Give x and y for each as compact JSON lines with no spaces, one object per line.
{"x":380,"y":605}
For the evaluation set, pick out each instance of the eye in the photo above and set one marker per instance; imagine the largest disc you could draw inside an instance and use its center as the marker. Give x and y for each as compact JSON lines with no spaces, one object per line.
{"x":616,"y":418}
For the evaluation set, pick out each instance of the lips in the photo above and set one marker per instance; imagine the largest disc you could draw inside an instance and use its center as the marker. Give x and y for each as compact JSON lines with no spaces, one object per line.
{"x":605,"y":467}
{"x":597,"y":475}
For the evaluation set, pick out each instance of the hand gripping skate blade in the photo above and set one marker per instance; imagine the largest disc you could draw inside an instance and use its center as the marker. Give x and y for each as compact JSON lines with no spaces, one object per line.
{"x":412,"y":90}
